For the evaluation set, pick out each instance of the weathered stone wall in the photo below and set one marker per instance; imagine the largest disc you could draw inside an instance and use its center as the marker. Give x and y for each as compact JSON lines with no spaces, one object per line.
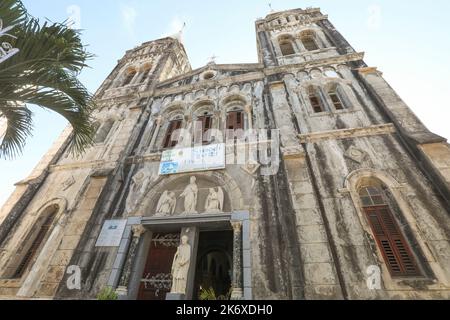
{"x":309,"y":237}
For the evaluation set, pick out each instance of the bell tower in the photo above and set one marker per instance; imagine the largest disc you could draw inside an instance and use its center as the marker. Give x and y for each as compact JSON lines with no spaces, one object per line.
{"x":297,"y":36}
{"x":144,"y":66}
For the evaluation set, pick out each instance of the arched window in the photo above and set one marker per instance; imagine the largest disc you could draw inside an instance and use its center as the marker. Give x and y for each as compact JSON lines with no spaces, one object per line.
{"x":286,"y":46}
{"x":38,"y":238}
{"x":129,"y":77}
{"x":104,"y":131}
{"x":308,"y":39}
{"x":235,"y":120}
{"x":335,"y":97}
{"x":172,"y":133}
{"x":315,"y":100}
{"x":389,"y":237}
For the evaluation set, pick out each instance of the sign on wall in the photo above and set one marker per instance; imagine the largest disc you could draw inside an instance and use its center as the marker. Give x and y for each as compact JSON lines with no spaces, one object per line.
{"x":201,"y":158}
{"x":111,"y":233}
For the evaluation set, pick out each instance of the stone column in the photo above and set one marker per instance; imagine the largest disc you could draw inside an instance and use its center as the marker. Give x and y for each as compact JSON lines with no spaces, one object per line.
{"x":155,"y":134}
{"x":138,"y":231}
{"x":237,"y":283}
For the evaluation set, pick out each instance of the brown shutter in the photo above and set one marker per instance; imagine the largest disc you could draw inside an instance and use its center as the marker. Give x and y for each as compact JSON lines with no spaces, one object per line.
{"x":315,"y":103}
{"x":171,"y":138}
{"x":336,"y":101}
{"x":392,"y":243}
{"x":207,"y":125}
{"x":32,"y":251}
{"x":199,"y":134}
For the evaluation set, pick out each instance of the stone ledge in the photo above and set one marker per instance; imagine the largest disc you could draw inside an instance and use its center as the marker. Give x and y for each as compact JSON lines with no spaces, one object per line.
{"x":376,"y":130}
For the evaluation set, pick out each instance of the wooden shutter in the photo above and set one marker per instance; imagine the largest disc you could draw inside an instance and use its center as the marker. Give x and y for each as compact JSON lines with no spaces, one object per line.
{"x":171,"y":138}
{"x":393,"y":245}
{"x":315,"y":103}
{"x":336,"y":101}
{"x":286,"y":48}
{"x":309,"y":43}
{"x":235,"y":121}
{"x":205,"y":126}
{"x":32,"y":251}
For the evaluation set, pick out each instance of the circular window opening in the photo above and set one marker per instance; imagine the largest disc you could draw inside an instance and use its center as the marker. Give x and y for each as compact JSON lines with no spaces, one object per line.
{"x":209,"y":75}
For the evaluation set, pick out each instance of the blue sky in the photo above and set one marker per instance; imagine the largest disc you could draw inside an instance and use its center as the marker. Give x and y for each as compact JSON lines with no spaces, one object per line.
{"x":406,"y":40}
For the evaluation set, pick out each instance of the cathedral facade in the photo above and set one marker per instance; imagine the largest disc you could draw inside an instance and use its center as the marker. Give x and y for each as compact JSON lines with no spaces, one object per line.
{"x":302,"y":176}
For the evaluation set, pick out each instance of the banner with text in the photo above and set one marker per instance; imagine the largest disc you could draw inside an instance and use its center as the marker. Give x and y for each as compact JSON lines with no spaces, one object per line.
{"x":201,"y":158}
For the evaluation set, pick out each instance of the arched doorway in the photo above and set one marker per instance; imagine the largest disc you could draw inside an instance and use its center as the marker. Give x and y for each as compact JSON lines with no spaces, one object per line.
{"x":214,"y":264}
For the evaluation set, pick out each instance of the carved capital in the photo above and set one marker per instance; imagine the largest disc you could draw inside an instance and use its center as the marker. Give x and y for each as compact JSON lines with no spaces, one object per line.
{"x":138,"y":230}
{"x":237,"y":226}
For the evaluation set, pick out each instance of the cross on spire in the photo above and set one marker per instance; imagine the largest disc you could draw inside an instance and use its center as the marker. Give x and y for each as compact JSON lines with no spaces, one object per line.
{"x":212,"y":59}
{"x":270,"y":6}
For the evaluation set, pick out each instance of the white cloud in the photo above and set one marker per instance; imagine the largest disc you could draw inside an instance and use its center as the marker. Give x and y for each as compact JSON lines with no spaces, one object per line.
{"x":129,"y":15}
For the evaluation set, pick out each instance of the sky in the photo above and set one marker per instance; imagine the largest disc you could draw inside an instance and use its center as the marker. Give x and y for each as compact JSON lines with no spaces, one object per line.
{"x":406,"y":39}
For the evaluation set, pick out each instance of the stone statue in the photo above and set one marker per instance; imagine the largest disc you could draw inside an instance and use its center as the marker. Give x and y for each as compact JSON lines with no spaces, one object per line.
{"x":180,"y":266}
{"x":190,"y":197}
{"x":139,"y":183}
{"x":214,"y":201}
{"x":167,"y":204}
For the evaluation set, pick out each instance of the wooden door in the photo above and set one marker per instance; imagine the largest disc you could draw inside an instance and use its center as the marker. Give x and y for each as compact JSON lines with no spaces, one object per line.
{"x":157,"y":279}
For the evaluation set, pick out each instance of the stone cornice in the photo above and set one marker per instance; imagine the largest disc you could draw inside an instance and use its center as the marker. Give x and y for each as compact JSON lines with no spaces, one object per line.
{"x":266,"y":27}
{"x":97,"y":164}
{"x":315,"y":63}
{"x":258,"y":73}
{"x":348,"y":133}
{"x":252,"y":76}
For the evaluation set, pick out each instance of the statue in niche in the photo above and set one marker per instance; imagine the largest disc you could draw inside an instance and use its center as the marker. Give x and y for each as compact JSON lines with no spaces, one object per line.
{"x":190,"y":197}
{"x":214,"y":201}
{"x":139,"y":183}
{"x":167,"y":204}
{"x":180,"y":266}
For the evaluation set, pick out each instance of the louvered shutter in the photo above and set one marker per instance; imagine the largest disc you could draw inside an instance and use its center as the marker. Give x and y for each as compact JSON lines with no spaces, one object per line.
{"x":235,"y":121}
{"x":200,"y":132}
{"x":392,"y":243}
{"x":172,"y":136}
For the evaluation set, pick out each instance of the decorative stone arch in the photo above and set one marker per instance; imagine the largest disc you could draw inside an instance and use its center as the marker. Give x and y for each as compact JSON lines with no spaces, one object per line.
{"x":352,"y":184}
{"x":286,"y":44}
{"x":231,"y":189}
{"x":237,"y":102}
{"x":331,"y":73}
{"x":310,"y":88}
{"x":173,"y":109}
{"x":344,"y":90}
{"x":201,"y":106}
{"x":317,"y":35}
{"x":55,"y":205}
{"x":60,"y":202}
{"x":127,"y":71}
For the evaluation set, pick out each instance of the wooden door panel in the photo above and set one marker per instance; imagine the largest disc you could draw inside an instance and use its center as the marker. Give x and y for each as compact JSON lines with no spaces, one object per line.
{"x":157,"y":279}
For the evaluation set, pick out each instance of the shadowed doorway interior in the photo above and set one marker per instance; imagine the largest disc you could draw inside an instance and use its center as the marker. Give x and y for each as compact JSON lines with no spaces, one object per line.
{"x":214,"y":264}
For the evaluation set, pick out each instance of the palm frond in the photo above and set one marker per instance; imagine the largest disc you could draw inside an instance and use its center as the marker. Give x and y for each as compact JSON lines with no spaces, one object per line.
{"x":19,"y":124}
{"x":45,"y":71}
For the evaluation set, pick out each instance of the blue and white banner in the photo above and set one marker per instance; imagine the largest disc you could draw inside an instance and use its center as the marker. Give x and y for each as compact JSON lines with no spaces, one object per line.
{"x":201,"y":158}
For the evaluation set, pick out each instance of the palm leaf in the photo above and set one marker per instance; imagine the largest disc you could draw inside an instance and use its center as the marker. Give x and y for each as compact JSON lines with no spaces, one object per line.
{"x":19,"y":125}
{"x":44,"y":73}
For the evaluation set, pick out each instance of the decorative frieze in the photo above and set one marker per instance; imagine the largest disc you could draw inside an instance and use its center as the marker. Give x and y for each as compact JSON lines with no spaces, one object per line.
{"x":347,"y":133}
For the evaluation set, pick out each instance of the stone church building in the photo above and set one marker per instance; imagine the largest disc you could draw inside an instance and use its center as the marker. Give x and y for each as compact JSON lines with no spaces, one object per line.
{"x":301,"y":176}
